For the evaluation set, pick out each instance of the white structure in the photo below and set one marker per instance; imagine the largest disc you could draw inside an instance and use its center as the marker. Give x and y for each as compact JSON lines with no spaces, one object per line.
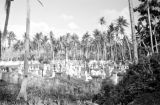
{"x":88,"y":77}
{"x":114,"y":78}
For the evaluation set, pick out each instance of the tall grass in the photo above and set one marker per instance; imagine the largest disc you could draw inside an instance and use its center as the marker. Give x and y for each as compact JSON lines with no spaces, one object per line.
{"x":45,"y":91}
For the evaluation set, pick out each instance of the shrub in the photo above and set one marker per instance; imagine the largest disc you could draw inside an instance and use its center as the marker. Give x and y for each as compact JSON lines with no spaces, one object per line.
{"x":141,"y":82}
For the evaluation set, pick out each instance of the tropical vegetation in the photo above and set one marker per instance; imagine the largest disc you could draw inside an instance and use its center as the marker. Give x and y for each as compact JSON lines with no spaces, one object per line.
{"x":139,"y":85}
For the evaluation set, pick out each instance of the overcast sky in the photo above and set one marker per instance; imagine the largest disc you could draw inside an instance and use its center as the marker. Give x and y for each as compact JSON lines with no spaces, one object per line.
{"x":62,"y":16}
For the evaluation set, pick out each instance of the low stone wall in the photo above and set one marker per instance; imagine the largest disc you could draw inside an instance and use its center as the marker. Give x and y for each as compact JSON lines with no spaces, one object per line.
{"x":11,"y":77}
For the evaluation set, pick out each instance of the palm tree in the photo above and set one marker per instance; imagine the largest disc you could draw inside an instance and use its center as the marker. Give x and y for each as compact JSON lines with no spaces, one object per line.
{"x":121,"y":23}
{"x":67,"y":42}
{"x":53,"y":44}
{"x":63,"y":44}
{"x":126,"y":40}
{"x":23,"y":92}
{"x":85,"y":45}
{"x":98,"y":42}
{"x":133,"y":31}
{"x":38,"y":40}
{"x":74,"y":44}
{"x":7,"y":7}
{"x":150,"y":28}
{"x":44,"y":41}
{"x":18,"y":46}
{"x":11,"y":37}
{"x":110,"y":37}
{"x":0,"y":44}
{"x":102,"y":21}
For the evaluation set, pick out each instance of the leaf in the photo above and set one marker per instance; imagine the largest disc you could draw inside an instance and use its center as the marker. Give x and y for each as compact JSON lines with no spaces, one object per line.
{"x":40,"y":2}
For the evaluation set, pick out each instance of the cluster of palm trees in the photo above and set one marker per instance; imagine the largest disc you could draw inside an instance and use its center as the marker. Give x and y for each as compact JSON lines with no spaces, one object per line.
{"x":96,"y":47}
{"x":100,"y":46}
{"x":110,"y":44}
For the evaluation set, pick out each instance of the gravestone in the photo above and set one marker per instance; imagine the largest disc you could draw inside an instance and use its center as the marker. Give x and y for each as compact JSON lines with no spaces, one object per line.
{"x":5,"y":76}
{"x":14,"y":78}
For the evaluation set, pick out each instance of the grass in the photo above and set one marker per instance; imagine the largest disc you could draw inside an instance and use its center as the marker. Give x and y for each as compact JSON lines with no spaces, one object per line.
{"x":43,"y":91}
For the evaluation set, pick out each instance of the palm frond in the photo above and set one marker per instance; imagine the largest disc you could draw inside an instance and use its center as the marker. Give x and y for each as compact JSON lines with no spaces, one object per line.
{"x":40,"y":2}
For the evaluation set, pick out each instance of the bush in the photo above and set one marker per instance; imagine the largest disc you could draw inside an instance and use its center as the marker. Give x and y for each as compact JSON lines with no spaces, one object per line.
{"x":141,"y":80}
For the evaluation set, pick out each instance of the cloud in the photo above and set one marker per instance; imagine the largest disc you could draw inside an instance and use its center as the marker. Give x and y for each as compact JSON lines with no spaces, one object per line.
{"x":19,"y":30}
{"x":39,"y":27}
{"x":60,"y":32}
{"x":112,"y":15}
{"x":67,"y":17}
{"x":73,"y":26}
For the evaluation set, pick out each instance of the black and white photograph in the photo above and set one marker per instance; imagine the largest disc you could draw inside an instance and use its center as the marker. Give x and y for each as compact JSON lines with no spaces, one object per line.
{"x":79,"y":52}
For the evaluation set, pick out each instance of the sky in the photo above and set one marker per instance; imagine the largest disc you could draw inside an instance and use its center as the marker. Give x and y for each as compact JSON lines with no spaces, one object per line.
{"x":63,"y":16}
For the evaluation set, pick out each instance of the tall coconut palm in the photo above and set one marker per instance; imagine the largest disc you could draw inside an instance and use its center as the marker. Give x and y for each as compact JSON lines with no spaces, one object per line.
{"x":53,"y":44}
{"x":38,"y":40}
{"x":0,"y":44}
{"x":98,"y":42}
{"x":102,"y":22}
{"x":85,"y":45}
{"x":7,"y":7}
{"x":63,"y":45}
{"x":67,"y":42}
{"x":18,"y":46}
{"x":44,"y":41}
{"x":74,"y":44}
{"x":150,"y":28}
{"x":110,"y":37}
{"x":121,"y":23}
{"x":23,"y":92}
{"x":126,"y":40}
{"x":133,"y":31}
{"x":11,"y":37}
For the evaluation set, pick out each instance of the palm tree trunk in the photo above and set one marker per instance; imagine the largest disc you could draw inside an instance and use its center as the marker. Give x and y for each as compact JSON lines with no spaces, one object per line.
{"x":53,"y":55}
{"x":155,"y":39}
{"x":112,"y":55}
{"x":66,"y":56}
{"x":38,"y":49}
{"x":150,"y":28}
{"x":130,"y":55}
{"x":157,"y":51}
{"x":123,"y":58}
{"x":9,"y":43}
{"x":23,"y":92}
{"x":7,"y":18}
{"x":104,"y":53}
{"x":133,"y":31}
{"x":0,"y":45}
{"x":115,"y":49}
{"x":98,"y":52}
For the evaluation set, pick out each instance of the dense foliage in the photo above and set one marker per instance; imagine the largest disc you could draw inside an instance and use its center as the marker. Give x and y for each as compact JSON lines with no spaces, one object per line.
{"x":147,"y":9}
{"x":141,"y":82}
{"x":139,"y":86}
{"x":111,"y":43}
